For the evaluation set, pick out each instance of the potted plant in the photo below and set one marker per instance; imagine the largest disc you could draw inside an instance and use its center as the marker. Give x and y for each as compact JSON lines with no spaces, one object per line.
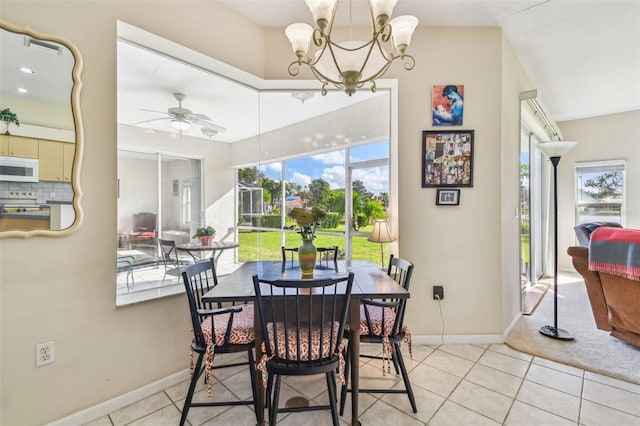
{"x":205,"y":234}
{"x":7,"y":117}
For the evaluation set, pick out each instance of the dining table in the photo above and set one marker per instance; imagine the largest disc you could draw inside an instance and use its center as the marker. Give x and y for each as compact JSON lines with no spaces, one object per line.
{"x":370,"y":282}
{"x":215,"y":246}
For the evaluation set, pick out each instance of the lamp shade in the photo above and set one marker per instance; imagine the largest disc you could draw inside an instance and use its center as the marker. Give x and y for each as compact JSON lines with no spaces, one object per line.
{"x":402,"y":29}
{"x":299,"y":36}
{"x":556,"y":148}
{"x":380,"y":233}
{"x":321,"y":9}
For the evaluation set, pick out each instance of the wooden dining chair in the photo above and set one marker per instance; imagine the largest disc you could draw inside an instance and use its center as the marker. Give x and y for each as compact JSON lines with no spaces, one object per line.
{"x":303,"y":325}
{"x":219,"y":330}
{"x":382,"y":322}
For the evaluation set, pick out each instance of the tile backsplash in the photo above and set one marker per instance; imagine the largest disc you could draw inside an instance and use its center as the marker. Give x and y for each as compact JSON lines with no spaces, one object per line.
{"x":44,"y":191}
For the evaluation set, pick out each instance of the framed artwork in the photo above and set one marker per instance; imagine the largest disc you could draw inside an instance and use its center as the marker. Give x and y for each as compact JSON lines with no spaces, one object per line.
{"x":447,"y":103}
{"x":448,"y":197}
{"x":447,"y":158}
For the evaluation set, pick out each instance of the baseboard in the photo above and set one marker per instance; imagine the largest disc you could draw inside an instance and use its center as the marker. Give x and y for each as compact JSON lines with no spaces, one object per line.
{"x":432,"y":340}
{"x":106,"y":407}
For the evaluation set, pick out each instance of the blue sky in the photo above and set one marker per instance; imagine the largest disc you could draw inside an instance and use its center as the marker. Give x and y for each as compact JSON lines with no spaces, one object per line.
{"x":330,"y":166}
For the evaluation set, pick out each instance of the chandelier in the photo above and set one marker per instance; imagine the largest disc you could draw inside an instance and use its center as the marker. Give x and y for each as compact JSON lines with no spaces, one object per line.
{"x":349,"y":65}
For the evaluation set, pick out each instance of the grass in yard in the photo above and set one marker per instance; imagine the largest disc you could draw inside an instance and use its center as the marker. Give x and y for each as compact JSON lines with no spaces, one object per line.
{"x":266,"y":245}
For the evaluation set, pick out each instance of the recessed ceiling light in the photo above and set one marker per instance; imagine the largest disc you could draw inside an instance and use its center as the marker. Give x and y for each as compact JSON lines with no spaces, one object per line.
{"x":26,"y":70}
{"x":21,"y":90}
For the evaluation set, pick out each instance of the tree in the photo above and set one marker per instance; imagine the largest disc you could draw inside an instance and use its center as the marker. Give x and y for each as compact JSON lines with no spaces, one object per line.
{"x":319,"y":190}
{"x":273,"y":188}
{"x":249,"y":176}
{"x":605,"y":185}
{"x":359,"y":187}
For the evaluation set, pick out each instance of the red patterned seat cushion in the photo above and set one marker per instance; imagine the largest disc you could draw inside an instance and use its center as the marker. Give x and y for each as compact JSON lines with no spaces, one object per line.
{"x":382,"y":322}
{"x":242,"y":332}
{"x":309,"y":348}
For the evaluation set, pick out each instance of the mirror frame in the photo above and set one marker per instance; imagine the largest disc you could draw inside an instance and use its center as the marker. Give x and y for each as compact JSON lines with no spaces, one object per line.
{"x":79,"y":136}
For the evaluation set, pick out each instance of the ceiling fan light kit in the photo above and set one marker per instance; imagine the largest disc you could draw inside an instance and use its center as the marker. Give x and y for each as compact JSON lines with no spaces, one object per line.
{"x":349,"y":65}
{"x":182,"y":119}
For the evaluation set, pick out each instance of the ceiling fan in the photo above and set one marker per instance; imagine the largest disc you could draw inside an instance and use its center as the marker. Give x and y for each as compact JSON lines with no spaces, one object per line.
{"x":181,"y":118}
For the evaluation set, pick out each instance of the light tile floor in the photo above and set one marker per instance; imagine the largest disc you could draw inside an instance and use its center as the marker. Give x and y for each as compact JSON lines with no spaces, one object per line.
{"x":454,"y":385}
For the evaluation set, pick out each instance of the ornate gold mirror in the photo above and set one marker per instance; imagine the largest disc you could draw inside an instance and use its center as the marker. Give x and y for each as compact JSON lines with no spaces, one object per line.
{"x":41,"y":134}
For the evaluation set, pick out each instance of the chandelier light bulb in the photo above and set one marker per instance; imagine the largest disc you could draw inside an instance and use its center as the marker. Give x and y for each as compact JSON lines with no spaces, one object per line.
{"x":322,"y":11}
{"x":299,"y":36}
{"x":402,"y":29}
{"x":382,"y":10}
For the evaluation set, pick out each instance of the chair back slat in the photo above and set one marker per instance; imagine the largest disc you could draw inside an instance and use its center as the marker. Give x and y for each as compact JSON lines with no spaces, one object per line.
{"x":401,"y":271}
{"x":198,"y":279}
{"x":303,"y":310}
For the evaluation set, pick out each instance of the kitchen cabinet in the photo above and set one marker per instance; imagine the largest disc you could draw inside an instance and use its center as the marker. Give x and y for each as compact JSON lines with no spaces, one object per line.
{"x":68,"y":155}
{"x":51,"y":161}
{"x":18,"y":146}
{"x":56,"y":160}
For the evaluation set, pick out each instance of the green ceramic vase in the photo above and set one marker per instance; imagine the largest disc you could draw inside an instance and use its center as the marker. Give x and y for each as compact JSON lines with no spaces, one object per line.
{"x":307,"y":258}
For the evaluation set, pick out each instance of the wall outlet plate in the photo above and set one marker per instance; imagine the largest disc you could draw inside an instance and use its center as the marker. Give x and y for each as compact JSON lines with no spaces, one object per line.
{"x":438,"y":292}
{"x":45,"y":353}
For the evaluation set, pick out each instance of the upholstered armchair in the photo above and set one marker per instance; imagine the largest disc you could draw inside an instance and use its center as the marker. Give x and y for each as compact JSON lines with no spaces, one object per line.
{"x":143,"y":228}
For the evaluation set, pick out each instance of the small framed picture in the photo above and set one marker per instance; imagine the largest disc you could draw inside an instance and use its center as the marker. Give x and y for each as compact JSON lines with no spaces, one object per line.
{"x":448,"y":197}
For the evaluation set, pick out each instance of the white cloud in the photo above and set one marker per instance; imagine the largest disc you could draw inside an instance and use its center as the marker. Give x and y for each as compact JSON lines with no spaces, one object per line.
{"x":333,"y":157}
{"x":335,"y":176}
{"x":276,"y":167}
{"x":373,"y":178}
{"x":300,"y":179}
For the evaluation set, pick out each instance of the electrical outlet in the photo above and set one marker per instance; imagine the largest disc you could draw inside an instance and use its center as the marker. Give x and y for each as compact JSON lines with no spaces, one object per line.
{"x":45,"y":353}
{"x":438,"y":292}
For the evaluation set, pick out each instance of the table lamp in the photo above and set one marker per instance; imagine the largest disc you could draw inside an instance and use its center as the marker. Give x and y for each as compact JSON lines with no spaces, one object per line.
{"x":381,"y":234}
{"x":555,"y":150}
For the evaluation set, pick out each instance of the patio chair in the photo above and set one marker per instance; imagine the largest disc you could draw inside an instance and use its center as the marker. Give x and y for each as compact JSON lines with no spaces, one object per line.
{"x":382,"y":322}
{"x":302,"y":324}
{"x":221,"y":330}
{"x":172,"y":262}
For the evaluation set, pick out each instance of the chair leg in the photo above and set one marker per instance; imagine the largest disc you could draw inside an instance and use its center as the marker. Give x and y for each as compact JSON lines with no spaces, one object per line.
{"x":331,"y":387}
{"x":343,"y":389}
{"x":252,"y":377}
{"x":395,"y":362}
{"x":405,"y":377}
{"x":273,"y":412}
{"x":192,"y":386}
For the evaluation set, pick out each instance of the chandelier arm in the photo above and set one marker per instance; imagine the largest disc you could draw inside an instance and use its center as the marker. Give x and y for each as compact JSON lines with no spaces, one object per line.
{"x":409,"y":62}
{"x":385,"y":33}
{"x":294,"y":68}
{"x":323,"y":78}
{"x":318,"y":37}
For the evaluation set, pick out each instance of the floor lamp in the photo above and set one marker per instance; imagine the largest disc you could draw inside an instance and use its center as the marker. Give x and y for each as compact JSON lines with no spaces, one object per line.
{"x":381,"y":234}
{"x":555,"y":150}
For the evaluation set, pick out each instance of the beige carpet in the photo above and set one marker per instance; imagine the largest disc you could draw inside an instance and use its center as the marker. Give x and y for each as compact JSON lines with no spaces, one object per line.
{"x":594,"y":350}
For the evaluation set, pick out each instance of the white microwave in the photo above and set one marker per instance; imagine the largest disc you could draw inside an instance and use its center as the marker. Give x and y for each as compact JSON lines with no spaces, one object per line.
{"x":17,"y":169}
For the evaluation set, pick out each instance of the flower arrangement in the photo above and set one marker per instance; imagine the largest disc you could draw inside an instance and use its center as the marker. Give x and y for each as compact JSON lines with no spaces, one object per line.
{"x":307,"y":220}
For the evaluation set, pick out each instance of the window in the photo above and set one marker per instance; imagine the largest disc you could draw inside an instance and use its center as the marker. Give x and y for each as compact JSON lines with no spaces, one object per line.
{"x":600,"y":191}
{"x":316,"y":180}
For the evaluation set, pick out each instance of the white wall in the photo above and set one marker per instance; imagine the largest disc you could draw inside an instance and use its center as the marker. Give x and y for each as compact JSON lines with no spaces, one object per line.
{"x":608,"y":137}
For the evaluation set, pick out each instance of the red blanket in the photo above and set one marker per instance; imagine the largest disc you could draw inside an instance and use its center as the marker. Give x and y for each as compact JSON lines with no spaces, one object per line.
{"x":615,"y":251}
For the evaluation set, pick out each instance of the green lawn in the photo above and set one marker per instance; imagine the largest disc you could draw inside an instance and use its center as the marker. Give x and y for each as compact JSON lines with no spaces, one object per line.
{"x":266,"y":245}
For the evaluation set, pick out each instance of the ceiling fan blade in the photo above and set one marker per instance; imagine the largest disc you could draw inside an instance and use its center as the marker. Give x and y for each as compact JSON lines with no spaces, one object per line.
{"x":210,"y":125}
{"x":158,"y":112}
{"x":149,"y":121}
{"x":197,"y":117}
